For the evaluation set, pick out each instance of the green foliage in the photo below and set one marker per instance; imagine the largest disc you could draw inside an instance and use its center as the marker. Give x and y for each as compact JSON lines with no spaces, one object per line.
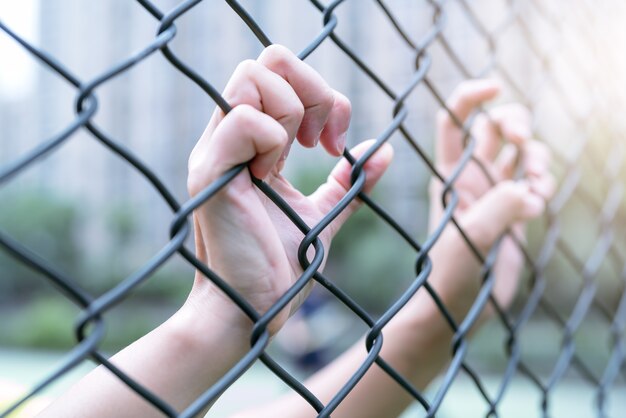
{"x":370,"y":262}
{"x":46,"y":225}
{"x":51,"y":227}
{"x":48,"y":322}
{"x":122,"y":223}
{"x":42,"y":322}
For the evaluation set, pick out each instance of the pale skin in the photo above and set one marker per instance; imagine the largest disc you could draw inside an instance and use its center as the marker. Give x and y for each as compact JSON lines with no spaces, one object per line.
{"x":275,"y":100}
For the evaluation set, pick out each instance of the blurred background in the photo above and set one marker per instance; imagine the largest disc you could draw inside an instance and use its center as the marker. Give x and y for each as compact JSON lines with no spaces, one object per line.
{"x":96,"y":219}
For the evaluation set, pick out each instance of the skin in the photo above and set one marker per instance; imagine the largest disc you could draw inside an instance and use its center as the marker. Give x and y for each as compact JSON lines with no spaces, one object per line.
{"x":418,"y":340}
{"x":276,"y":99}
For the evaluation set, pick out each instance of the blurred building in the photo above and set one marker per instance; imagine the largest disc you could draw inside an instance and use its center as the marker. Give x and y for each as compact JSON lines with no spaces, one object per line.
{"x":158,"y":114}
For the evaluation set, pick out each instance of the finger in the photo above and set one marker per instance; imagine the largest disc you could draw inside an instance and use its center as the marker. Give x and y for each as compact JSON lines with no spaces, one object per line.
{"x":537,"y":158}
{"x":498,"y":210}
{"x":543,"y":186}
{"x":245,"y":134}
{"x":333,"y":136}
{"x":254,"y":84}
{"x":467,"y":96}
{"x":514,"y":122}
{"x":510,"y":123}
{"x":317,"y":97}
{"x":488,"y":140}
{"x":506,"y":162}
{"x":338,"y":182}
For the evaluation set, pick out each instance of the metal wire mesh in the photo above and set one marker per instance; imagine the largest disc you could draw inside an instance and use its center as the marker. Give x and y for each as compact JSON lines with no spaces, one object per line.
{"x":600,"y":201}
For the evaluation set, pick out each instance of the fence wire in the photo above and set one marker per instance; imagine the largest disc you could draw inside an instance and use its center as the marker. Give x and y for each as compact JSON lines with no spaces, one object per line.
{"x":600,"y":200}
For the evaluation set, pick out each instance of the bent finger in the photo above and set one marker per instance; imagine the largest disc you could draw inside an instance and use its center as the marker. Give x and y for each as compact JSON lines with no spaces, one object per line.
{"x":504,"y":124}
{"x":514,"y":121}
{"x":537,"y":158}
{"x":467,"y":96}
{"x":315,"y":94}
{"x":254,"y":84}
{"x":244,"y":135}
{"x":498,"y":210}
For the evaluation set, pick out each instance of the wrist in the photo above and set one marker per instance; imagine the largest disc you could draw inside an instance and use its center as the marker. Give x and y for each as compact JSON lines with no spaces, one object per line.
{"x":208,"y":318}
{"x":423,"y":329}
{"x":418,"y":341}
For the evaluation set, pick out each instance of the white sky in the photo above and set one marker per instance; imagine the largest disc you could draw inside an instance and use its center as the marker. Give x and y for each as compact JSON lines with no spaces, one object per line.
{"x":17,"y":68}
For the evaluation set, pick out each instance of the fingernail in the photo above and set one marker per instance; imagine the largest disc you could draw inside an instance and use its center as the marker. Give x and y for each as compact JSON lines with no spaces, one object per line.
{"x":341,"y":142}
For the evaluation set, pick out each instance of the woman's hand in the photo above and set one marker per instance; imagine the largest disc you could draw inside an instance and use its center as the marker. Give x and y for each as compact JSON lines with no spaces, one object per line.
{"x":485,"y":211}
{"x":417,"y":341}
{"x":240,"y":233}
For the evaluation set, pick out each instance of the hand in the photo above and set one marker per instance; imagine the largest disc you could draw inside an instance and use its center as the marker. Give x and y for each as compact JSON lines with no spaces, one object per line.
{"x":240,"y":233}
{"x":486,"y":211}
{"x":417,"y":340}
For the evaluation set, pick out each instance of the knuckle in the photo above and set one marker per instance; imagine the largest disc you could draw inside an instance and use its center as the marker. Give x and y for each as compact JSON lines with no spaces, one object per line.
{"x":295,"y":110}
{"x":328,"y":97}
{"x":247,"y":67}
{"x":443,"y":117}
{"x":461,"y":92}
{"x":282,"y":138}
{"x":512,"y":191}
{"x":277,"y":55}
{"x":194,"y":185}
{"x":245,"y":116}
{"x":250,"y":120}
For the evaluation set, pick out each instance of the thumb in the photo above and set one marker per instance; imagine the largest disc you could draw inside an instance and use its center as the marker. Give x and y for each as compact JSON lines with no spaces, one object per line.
{"x":498,"y":210}
{"x":338,"y":182}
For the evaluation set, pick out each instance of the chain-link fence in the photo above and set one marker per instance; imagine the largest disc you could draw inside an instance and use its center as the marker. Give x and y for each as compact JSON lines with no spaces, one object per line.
{"x":555,"y":58}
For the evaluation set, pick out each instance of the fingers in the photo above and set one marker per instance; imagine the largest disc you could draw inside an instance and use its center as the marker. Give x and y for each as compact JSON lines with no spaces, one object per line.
{"x":338,"y":182}
{"x":333,"y":137}
{"x":501,"y":207}
{"x":254,"y":84}
{"x":245,"y":134}
{"x":277,"y":87}
{"x":511,"y":123}
{"x":325,"y":109}
{"x":507,"y":203}
{"x":535,"y":159}
{"x":507,"y":161}
{"x":467,"y":96}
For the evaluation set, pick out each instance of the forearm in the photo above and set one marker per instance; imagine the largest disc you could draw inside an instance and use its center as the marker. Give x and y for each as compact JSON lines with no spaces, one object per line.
{"x":416,"y":344}
{"x":177,"y":361}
